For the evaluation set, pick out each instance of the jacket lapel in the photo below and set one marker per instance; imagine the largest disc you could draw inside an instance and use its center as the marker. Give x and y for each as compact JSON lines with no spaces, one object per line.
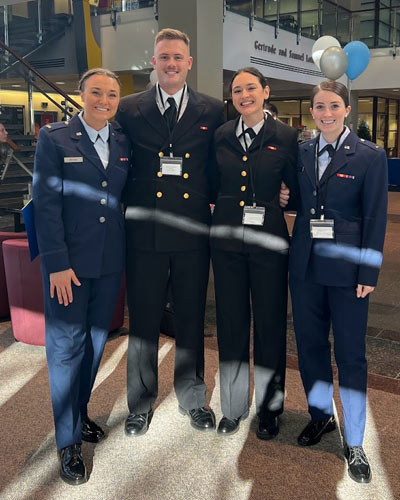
{"x":148,"y":108}
{"x":231,"y":136}
{"x":114,"y":149}
{"x":267,"y":132}
{"x":84,"y":144}
{"x":307,"y":159}
{"x":194,"y":110}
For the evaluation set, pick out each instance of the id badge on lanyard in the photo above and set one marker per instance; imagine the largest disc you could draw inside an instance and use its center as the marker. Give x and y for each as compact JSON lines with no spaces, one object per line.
{"x":322,"y":229}
{"x":171,"y":165}
{"x":253,"y":215}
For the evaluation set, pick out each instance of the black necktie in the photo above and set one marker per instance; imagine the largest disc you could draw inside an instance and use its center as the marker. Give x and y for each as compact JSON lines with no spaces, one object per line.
{"x":250,"y":132}
{"x":328,"y":148}
{"x":170,"y":113}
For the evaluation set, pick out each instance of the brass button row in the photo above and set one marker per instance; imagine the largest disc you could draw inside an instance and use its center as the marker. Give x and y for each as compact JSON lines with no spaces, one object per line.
{"x":161,"y":154}
{"x":159,"y":195}
{"x":185,"y":175}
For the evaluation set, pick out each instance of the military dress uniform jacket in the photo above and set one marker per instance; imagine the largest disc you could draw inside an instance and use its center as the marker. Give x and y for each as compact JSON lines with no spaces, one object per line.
{"x":356,"y":201}
{"x":274,"y":162}
{"x":164,"y":212}
{"x":78,"y":216}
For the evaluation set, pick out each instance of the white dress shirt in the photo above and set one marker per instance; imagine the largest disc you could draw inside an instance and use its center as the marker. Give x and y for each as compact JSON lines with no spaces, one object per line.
{"x":99,"y":139}
{"x":164,"y":104}
{"x":256,"y":128}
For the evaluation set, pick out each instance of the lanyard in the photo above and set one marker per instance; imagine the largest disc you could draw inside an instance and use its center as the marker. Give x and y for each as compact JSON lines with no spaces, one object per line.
{"x":177,"y":115}
{"x":251,"y":168}
{"x":322,"y":191}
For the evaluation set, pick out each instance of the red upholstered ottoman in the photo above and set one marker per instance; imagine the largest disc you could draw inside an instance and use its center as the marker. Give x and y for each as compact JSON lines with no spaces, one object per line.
{"x":4,"y":307}
{"x":25,"y":294}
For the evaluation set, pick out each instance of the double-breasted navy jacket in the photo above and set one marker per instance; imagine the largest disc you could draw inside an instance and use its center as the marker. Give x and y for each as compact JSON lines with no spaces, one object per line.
{"x":164,"y":212}
{"x":78,"y":216}
{"x":357,"y":202}
{"x":272,"y":157}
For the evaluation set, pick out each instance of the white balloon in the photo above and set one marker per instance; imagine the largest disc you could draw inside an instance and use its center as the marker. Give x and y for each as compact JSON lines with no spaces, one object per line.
{"x":320,"y":45}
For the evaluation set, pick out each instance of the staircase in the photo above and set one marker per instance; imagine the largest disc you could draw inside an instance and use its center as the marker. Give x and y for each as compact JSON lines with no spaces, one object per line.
{"x":16,"y":180}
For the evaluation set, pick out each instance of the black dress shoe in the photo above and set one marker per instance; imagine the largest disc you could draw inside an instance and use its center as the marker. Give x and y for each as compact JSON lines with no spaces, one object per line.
{"x":202,"y":419}
{"x":72,"y":469}
{"x":91,"y":432}
{"x":314,"y":430}
{"x":138,"y":424}
{"x":228,"y":426}
{"x":359,"y":469}
{"x":268,"y":429}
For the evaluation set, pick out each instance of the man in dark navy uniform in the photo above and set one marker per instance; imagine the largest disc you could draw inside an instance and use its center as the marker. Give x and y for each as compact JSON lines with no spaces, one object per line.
{"x":167,"y":219}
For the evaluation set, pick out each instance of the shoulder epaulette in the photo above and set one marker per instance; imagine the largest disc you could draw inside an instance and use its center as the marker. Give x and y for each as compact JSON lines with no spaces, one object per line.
{"x":55,"y":126}
{"x":369,"y":144}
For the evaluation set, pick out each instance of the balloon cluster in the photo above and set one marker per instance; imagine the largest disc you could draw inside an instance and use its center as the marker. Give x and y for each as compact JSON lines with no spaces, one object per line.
{"x":334,"y":61}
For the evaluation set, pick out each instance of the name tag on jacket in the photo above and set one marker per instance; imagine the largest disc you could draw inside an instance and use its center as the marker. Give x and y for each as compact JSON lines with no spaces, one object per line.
{"x":73,"y":159}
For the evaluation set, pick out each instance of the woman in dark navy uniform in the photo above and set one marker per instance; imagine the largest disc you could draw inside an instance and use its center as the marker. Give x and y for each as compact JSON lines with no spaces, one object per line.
{"x":80,"y":170}
{"x":335,"y":258}
{"x":249,"y":244}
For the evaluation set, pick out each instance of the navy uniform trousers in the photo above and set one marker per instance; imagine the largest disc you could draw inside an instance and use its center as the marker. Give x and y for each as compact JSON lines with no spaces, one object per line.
{"x":75,"y":339}
{"x":148,"y":273}
{"x":315,"y":307}
{"x":261,"y":276}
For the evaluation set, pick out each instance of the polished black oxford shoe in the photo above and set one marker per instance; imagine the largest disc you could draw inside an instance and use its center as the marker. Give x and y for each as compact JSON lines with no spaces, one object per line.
{"x":268,"y":428}
{"x":228,"y":426}
{"x":91,"y":432}
{"x":201,"y":419}
{"x":314,"y":430}
{"x":137,"y":424}
{"x":358,"y":466}
{"x":72,"y":466}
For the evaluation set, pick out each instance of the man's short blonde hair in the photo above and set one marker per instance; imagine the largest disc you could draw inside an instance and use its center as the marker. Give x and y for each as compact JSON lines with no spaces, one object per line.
{"x":172,"y":34}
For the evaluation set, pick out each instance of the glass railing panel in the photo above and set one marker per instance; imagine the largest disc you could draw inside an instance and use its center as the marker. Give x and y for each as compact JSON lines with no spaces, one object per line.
{"x":106,"y":6}
{"x":309,"y":23}
{"x":343,"y":33}
{"x":243,"y":7}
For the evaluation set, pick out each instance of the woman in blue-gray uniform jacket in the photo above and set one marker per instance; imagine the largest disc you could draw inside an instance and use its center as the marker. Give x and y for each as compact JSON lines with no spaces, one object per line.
{"x":79,"y":174}
{"x":334,"y":263}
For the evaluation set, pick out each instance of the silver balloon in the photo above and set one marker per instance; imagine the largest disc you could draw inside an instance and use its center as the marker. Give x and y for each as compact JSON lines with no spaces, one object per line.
{"x":333,"y":63}
{"x":320,"y":45}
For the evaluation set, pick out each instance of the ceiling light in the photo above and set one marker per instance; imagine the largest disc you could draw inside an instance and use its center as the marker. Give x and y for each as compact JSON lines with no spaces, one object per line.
{"x":60,"y":83}
{"x":396,"y":90}
{"x":15,"y":85}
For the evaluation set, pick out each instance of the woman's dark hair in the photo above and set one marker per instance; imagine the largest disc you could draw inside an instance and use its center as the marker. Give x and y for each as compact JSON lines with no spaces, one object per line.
{"x":253,"y":71}
{"x":331,"y":86}
{"x":97,"y":71}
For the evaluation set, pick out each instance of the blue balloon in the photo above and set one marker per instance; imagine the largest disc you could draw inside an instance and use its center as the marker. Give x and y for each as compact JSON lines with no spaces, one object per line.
{"x":358,"y":57}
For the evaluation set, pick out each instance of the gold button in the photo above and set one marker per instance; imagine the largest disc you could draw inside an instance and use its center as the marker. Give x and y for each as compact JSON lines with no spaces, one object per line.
{"x":159,"y":194}
{"x":186,"y":176}
{"x":160,"y":154}
{"x":241,"y":203}
{"x":244,"y":173}
{"x":159,"y":174}
{"x":244,"y":158}
{"x":186,"y":196}
{"x":187,"y":155}
{"x":243,"y":188}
